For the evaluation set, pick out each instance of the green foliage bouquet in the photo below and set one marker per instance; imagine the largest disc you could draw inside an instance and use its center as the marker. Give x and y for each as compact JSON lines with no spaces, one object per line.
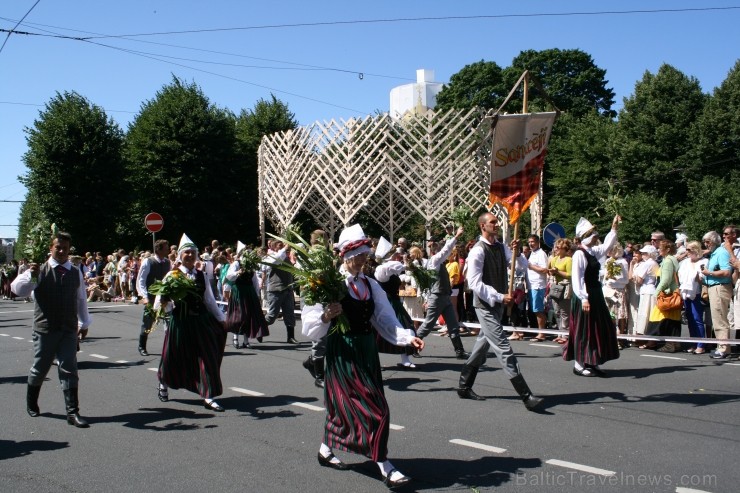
{"x":37,"y":242}
{"x":317,"y":277}
{"x":176,"y":287}
{"x":249,"y":261}
{"x":424,"y":278}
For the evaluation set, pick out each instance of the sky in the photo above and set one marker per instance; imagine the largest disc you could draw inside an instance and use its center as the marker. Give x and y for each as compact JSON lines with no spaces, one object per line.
{"x":325,"y":59}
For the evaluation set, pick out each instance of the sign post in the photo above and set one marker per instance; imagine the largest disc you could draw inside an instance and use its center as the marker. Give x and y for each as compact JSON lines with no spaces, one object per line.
{"x":154,"y":223}
{"x":552,"y":233}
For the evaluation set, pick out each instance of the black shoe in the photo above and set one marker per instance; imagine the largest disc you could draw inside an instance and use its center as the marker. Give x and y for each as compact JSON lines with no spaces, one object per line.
{"x":586,"y":372}
{"x":598,"y":372}
{"x":143,"y":351}
{"x":259,"y":339}
{"x":717,"y":355}
{"x":308,"y":365}
{"x":533,"y":402}
{"x":235,"y":343}
{"x":416,"y":354}
{"x":398,"y":482}
{"x":467,"y":393}
{"x":245,"y":345}
{"x":163,"y":395}
{"x":461,"y":355}
{"x":213,"y":406}
{"x":76,"y":420}
{"x":326,"y":462}
{"x":291,"y":340}
{"x":32,"y":400}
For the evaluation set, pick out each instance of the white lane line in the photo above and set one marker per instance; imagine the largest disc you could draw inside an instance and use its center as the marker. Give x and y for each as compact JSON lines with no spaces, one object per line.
{"x":679,"y":489}
{"x":253,"y":393}
{"x":307,"y":406}
{"x":99,"y":356}
{"x":153,"y":369}
{"x":122,"y":361}
{"x":397,"y":427}
{"x":19,"y":338}
{"x":17,"y":311}
{"x":733,"y":364}
{"x":580,"y":467}
{"x":662,"y":357}
{"x":5,"y":335}
{"x":545,"y":345}
{"x":479,"y":446}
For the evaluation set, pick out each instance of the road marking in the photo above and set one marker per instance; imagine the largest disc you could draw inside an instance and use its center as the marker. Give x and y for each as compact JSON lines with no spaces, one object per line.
{"x":580,"y":467}
{"x":99,"y":356}
{"x":480,"y":446}
{"x":247,"y":392}
{"x":545,"y":345}
{"x":689,"y":490}
{"x":307,"y":406}
{"x":17,"y":311}
{"x":153,"y":369}
{"x":397,"y":427}
{"x":662,"y":357}
{"x":19,"y":338}
{"x":733,"y":364}
{"x":122,"y":361}
{"x":5,"y":335}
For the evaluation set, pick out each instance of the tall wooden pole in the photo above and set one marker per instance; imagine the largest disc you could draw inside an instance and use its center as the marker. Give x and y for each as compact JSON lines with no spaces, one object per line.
{"x":515,"y":252}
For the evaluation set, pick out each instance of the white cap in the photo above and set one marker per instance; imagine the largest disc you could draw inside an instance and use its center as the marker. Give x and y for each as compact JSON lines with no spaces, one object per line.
{"x":649,"y":249}
{"x":239,"y":247}
{"x":350,"y":235}
{"x":384,"y":246}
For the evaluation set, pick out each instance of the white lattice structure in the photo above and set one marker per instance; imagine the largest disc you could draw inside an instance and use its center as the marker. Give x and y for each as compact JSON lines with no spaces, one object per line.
{"x":428,"y":164}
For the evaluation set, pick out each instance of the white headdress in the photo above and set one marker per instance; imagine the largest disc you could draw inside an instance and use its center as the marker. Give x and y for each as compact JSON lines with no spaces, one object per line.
{"x":239,"y":247}
{"x":353,"y":242}
{"x":384,"y":246}
{"x":186,"y":244}
{"x":584,"y":226}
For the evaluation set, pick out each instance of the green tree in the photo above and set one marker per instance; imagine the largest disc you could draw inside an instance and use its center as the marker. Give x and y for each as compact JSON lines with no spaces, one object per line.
{"x":570,"y":78}
{"x":478,"y":84}
{"x":182,"y":162}
{"x":266,"y":117}
{"x":655,"y":129}
{"x":74,"y":171}
{"x":714,"y":204}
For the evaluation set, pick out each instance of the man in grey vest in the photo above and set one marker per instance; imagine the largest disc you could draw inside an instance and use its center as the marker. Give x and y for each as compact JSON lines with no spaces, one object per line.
{"x":486,"y":264}
{"x":59,"y":312}
{"x":152,"y":269}
{"x":280,"y":297}
{"x":439,"y":302}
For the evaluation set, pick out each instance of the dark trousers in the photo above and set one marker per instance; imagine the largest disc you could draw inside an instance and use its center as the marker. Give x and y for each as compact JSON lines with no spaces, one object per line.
{"x":59,"y":344}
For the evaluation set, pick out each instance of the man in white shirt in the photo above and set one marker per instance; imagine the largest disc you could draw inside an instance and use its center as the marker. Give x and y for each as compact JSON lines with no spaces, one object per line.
{"x":537,"y":275}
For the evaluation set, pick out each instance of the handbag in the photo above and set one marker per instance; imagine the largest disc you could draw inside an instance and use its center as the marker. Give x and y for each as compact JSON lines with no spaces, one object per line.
{"x":557,"y":291}
{"x":669,"y":302}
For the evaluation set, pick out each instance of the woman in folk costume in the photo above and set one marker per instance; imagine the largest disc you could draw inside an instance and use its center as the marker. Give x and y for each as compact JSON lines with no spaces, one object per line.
{"x":592,"y":338}
{"x":244,"y":315}
{"x":357,"y":418}
{"x":388,"y":276}
{"x":195,"y":338}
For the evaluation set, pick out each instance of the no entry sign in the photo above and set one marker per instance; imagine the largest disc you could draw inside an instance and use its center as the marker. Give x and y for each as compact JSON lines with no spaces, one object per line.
{"x":153,"y":222}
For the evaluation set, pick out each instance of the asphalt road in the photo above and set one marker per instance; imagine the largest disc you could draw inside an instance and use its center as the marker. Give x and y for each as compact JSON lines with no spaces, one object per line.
{"x":664,"y":423}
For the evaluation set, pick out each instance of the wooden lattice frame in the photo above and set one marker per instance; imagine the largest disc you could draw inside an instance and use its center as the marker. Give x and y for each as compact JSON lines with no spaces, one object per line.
{"x":428,"y":163}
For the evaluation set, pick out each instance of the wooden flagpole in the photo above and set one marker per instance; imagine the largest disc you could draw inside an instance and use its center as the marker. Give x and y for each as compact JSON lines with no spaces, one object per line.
{"x":515,"y":252}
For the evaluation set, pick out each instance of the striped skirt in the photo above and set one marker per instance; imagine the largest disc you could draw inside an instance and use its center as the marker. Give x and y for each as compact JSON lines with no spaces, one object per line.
{"x":406,"y":322}
{"x":244,"y":314}
{"x":357,"y":414}
{"x":592,"y":337}
{"x":191,"y":354}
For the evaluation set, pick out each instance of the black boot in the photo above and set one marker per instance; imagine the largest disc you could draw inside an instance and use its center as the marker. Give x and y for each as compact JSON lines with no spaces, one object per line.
{"x":309,"y":365}
{"x":530,"y":401}
{"x":318,"y":366}
{"x":73,"y":409}
{"x":32,"y":400}
{"x":142,"y":344}
{"x":467,"y":379}
{"x":291,"y":335}
{"x":458,"y":345}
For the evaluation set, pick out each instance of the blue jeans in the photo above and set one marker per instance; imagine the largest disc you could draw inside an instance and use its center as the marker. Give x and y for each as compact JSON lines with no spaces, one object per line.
{"x":695,"y":317}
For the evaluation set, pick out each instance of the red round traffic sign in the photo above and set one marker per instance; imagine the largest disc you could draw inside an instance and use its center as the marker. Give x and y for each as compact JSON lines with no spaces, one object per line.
{"x":154,"y":222}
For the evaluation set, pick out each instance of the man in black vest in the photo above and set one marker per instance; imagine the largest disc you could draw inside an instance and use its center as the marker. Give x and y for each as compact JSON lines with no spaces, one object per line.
{"x":59,"y":312}
{"x":280,"y":296}
{"x":486,"y":264}
{"x":439,"y":301}
{"x":152,"y":269}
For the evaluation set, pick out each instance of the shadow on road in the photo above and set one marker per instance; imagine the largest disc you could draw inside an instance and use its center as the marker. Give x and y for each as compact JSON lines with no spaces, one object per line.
{"x":148,"y":418}
{"x":432,"y":474}
{"x":253,"y":405}
{"x":19,"y":379}
{"x":105,"y":365}
{"x":10,"y":449}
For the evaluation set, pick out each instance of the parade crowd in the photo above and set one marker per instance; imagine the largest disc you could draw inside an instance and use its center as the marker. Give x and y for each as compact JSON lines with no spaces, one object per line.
{"x":591,"y":288}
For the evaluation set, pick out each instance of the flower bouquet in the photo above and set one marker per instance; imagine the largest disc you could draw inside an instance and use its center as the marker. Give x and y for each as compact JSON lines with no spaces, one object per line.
{"x":175,"y":287}
{"x":424,"y":278}
{"x":613,"y":270}
{"x":38,"y":241}
{"x":317,"y":277}
{"x":249,"y":261}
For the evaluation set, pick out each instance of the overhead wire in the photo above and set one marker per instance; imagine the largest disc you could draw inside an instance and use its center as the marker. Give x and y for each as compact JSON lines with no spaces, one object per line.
{"x":18,"y":24}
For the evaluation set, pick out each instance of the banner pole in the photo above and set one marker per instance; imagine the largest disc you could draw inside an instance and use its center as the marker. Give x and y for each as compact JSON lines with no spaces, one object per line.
{"x":515,"y":251}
